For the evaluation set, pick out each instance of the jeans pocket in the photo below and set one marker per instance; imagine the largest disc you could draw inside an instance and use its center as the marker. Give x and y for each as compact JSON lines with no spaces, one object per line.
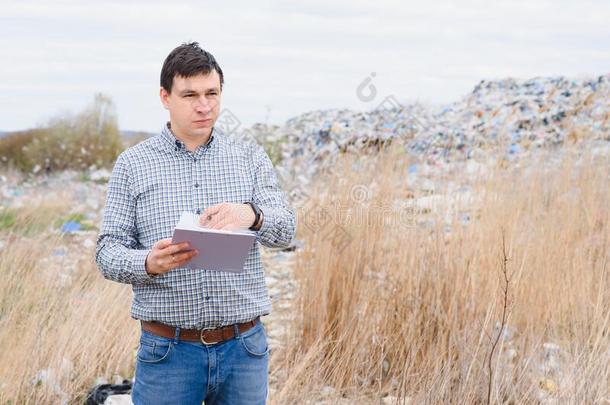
{"x":154,"y":350}
{"x":256,"y":344}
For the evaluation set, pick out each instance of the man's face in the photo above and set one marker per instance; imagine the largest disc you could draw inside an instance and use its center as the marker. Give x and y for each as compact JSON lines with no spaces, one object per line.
{"x":193,"y":104}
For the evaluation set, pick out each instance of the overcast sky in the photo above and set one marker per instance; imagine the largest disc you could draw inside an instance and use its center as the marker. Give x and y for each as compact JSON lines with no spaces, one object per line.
{"x":282,"y":59}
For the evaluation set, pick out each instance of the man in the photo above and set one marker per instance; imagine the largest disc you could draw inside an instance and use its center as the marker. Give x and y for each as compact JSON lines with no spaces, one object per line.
{"x":201,"y":334}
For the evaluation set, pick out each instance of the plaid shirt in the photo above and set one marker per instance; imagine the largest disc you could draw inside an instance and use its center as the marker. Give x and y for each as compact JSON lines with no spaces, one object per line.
{"x":151,"y":184}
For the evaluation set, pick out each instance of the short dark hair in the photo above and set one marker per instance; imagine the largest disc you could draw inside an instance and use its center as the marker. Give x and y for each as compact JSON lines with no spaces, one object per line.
{"x":188,"y":60}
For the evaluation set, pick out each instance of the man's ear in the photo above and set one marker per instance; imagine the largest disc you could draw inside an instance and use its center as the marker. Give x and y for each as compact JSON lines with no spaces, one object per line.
{"x":164,"y":96}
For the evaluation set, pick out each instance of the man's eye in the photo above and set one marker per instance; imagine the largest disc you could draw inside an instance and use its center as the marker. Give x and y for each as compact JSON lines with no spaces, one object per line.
{"x":189,"y":95}
{"x":212,"y":94}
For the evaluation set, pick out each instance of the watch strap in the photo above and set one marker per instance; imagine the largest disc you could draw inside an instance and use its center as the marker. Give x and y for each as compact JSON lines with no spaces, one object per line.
{"x":257,"y":214}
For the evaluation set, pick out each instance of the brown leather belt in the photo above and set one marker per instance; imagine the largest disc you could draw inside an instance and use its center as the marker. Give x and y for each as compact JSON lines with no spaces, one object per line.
{"x":205,"y":336}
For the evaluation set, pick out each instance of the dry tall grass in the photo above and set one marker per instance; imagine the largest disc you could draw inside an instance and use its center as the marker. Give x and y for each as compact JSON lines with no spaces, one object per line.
{"x":61,"y":324}
{"x":401,"y":310}
{"x":412,"y":312}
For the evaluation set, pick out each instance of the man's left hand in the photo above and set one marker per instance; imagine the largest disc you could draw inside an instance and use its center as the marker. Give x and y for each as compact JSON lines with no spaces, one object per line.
{"x":228,"y":216}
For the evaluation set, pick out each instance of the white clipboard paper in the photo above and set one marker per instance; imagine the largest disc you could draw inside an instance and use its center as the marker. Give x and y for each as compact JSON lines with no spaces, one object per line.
{"x":218,"y":250}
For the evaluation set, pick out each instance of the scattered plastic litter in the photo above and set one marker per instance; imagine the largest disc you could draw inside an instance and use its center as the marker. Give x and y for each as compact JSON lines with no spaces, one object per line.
{"x":100,"y":175}
{"x":122,"y":399}
{"x":70,"y":226}
{"x":103,"y":392}
{"x":59,"y":252}
{"x":49,"y":378}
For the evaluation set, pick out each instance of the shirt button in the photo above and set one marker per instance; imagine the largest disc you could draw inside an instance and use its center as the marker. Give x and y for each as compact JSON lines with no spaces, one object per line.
{"x":198,"y":212}
{"x":207,"y":298}
{"x":196,"y":185}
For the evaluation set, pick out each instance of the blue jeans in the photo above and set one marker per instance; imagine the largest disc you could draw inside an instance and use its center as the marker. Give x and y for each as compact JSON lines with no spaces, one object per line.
{"x":174,"y":371}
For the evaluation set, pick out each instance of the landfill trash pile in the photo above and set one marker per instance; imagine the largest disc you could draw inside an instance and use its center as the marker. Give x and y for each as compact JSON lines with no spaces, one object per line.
{"x":506,"y":117}
{"x":519,"y":115}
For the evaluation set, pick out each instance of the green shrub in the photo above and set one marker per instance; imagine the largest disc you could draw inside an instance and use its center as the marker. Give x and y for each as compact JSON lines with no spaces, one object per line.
{"x":13,"y":148}
{"x":91,"y":137}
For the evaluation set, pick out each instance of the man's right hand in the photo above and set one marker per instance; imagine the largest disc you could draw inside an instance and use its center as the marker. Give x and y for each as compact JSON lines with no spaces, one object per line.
{"x":164,"y":256}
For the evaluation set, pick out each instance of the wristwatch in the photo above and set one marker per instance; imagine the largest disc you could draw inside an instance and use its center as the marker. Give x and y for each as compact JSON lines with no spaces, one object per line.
{"x":257,"y":214}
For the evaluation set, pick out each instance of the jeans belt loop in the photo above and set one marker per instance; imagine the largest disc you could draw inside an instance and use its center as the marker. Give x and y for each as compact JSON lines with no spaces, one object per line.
{"x":177,"y":336}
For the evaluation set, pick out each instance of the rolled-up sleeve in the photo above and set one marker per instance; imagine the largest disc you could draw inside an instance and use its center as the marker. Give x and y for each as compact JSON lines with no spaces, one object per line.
{"x":279,"y":220}
{"x":118,"y":254}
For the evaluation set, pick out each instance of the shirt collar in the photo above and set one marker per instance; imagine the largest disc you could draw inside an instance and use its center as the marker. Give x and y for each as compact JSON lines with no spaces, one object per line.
{"x":168,"y":135}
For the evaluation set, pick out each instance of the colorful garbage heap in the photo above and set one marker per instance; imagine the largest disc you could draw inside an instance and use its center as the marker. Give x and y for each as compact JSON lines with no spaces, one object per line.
{"x":506,"y":117}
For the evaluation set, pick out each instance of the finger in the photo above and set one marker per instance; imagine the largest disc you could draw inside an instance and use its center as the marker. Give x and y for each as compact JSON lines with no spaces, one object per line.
{"x":215,"y":221}
{"x":182,"y":258}
{"x":211,"y":219}
{"x":169,"y":262}
{"x":220,"y":217}
{"x":209,"y":213}
{"x":179,"y":259}
{"x":163,"y":243}
{"x":216,"y":214}
{"x":176,"y":247}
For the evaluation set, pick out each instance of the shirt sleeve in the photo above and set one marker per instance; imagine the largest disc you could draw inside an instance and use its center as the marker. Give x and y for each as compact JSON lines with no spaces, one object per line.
{"x":279,"y":220}
{"x":119,"y":256}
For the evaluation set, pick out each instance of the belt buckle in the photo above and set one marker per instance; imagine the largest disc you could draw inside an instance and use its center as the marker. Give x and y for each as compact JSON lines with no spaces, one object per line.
{"x":203,"y":340}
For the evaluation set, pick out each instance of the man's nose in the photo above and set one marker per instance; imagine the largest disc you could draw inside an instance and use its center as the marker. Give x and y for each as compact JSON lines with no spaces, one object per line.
{"x":202,"y":105}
